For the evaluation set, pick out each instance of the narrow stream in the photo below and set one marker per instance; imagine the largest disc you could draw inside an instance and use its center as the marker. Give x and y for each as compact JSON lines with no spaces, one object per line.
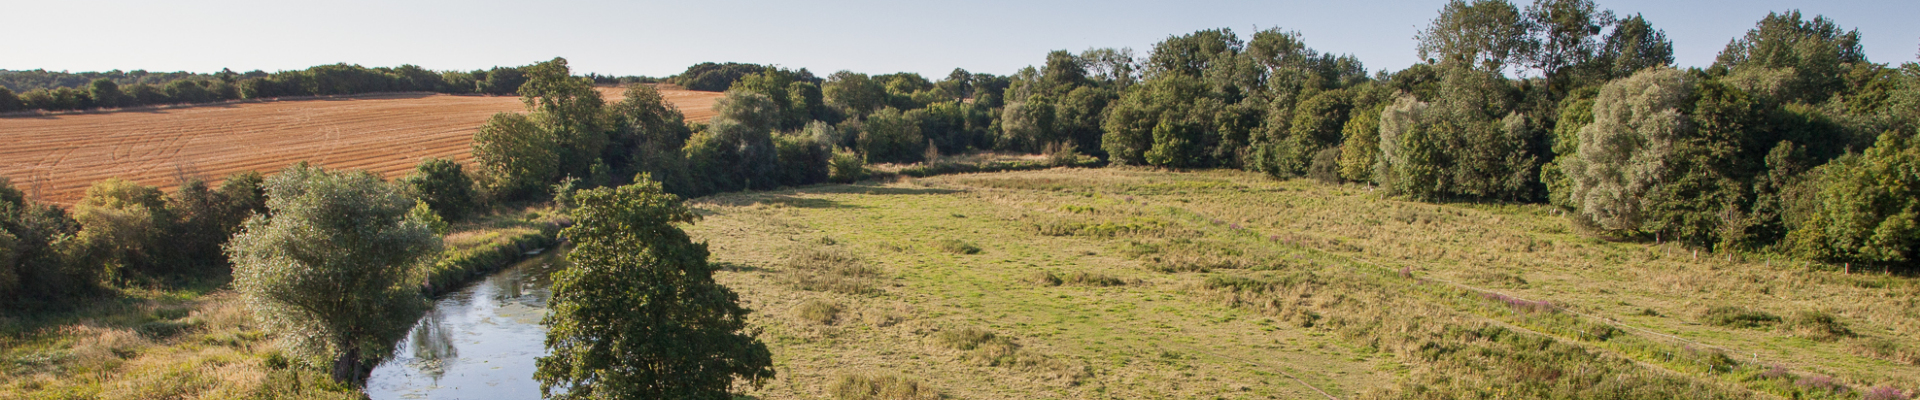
{"x":477,"y":343}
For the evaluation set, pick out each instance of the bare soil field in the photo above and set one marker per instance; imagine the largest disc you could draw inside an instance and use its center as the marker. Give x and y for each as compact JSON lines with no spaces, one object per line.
{"x":55,"y":157}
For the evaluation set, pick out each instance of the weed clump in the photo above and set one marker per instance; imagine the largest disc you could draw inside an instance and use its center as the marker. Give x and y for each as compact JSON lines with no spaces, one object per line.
{"x":818,"y":311}
{"x":880,"y":387}
{"x":831,"y":271}
{"x":1738,"y":317}
{"x":1818,"y":325}
{"x":957,"y":246}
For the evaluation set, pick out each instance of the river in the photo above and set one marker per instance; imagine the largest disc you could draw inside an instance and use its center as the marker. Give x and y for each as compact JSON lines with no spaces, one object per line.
{"x":476,"y":343}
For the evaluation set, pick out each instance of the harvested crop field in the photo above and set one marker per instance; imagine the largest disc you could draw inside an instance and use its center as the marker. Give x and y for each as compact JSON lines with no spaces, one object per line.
{"x":55,"y":157}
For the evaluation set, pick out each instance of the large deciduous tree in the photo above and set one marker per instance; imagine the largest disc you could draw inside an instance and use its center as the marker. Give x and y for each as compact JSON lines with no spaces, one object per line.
{"x":638,"y":315}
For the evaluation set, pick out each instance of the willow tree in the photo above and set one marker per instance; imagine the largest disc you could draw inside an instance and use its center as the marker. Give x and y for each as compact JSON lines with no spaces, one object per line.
{"x":334,"y":270}
{"x":1625,"y":151}
{"x":638,"y":314}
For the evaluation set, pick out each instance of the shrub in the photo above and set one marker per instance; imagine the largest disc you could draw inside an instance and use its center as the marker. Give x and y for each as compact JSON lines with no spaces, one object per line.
{"x":444,"y":186}
{"x":847,"y":166}
{"x":517,"y":157}
{"x":1326,"y":165}
{"x":122,"y":224}
{"x":891,"y":137}
{"x":1737,"y":317}
{"x":803,"y":160}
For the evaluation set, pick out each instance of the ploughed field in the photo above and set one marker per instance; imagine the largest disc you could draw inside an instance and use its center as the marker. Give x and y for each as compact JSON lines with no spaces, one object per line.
{"x":55,"y":157}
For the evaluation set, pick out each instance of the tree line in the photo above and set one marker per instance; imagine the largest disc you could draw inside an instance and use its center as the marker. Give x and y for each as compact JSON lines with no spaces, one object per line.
{"x":57,"y":91}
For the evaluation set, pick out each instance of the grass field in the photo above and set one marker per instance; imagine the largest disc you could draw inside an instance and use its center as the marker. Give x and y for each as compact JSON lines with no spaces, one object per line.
{"x":1119,"y":283}
{"x":1128,"y":283}
{"x":55,"y":157}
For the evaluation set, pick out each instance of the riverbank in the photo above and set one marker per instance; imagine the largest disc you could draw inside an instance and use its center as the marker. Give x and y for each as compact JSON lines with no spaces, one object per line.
{"x":199,"y":341}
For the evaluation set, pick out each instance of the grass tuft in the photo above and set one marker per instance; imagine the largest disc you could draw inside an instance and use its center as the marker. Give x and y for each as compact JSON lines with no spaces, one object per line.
{"x":1818,"y":325}
{"x":1738,"y":317}
{"x":880,"y":387}
{"x":818,"y":311}
{"x":830,"y":271}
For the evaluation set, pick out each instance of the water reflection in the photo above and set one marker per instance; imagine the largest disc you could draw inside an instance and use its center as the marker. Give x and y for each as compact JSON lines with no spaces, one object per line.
{"x":477,"y":343}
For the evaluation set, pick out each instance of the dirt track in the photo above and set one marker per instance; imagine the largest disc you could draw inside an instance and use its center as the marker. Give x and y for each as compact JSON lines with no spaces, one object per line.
{"x":54,"y":158}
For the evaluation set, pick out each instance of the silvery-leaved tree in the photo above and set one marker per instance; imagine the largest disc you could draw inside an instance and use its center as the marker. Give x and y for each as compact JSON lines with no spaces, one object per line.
{"x":1625,"y":152}
{"x":335,"y":270}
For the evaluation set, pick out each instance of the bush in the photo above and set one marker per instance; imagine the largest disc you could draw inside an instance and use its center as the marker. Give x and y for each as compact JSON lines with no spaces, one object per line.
{"x":517,"y":157}
{"x":1326,"y":165}
{"x":444,"y":186}
{"x":122,"y":226}
{"x":846,"y":167}
{"x":891,"y":137}
{"x":802,"y":160}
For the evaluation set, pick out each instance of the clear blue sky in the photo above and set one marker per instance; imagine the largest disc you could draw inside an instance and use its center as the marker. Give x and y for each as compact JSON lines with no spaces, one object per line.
{"x":663,"y":38}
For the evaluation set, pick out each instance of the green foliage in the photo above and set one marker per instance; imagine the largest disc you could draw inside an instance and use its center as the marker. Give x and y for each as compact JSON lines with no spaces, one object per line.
{"x":123,"y":229}
{"x":106,"y":94}
{"x":1360,"y":148}
{"x":802,"y":159}
{"x":444,"y":186}
{"x":1628,"y":148}
{"x":857,"y":93}
{"x":647,"y":135}
{"x":425,"y":214}
{"x":846,"y":166}
{"x":638,"y":314}
{"x":714,"y":77}
{"x":1814,"y":54}
{"x":1634,"y":45}
{"x":1490,"y":35}
{"x":1868,"y":206}
{"x":205,"y":218}
{"x":336,"y":270}
{"x":570,"y":110}
{"x":35,"y":267}
{"x":737,"y":151}
{"x":891,"y":136}
{"x":516,"y":156}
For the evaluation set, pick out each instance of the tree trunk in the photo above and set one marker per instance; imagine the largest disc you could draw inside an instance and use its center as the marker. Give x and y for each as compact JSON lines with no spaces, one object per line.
{"x":348,"y":368}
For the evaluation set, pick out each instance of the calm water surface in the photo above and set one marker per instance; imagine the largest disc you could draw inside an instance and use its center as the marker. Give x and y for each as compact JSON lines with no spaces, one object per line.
{"x":477,"y":343}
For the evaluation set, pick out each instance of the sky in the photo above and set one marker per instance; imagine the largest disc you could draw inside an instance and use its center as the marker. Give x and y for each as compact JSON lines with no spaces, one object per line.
{"x":654,"y":38}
